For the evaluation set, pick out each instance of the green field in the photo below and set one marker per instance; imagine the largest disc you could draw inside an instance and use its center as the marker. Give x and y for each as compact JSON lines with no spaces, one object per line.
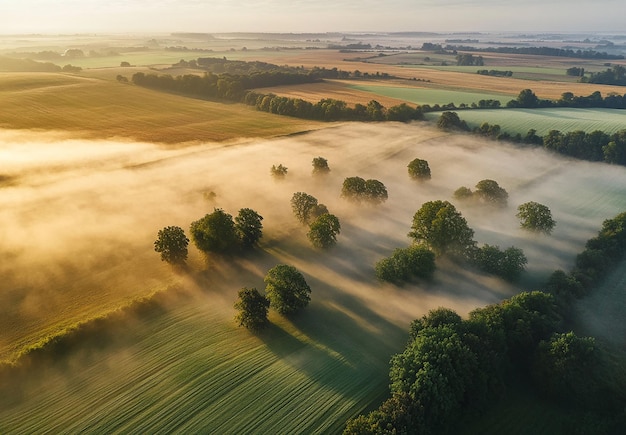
{"x":81,"y":246}
{"x":543,"y":120}
{"x":432,"y":96}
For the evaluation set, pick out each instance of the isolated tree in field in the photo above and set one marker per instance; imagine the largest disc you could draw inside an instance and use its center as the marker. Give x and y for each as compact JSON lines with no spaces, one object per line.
{"x":286,"y":289}
{"x":490,"y":192}
{"x":215,"y":232}
{"x":320,"y":166}
{"x":375,"y":192}
{"x":439,"y":225}
{"x":535,"y":217}
{"x":323,"y":231}
{"x":306,"y":208}
{"x":279,"y":171}
{"x":406,"y":263}
{"x":419,"y":170}
{"x":252,"y":309}
{"x":172,"y":244}
{"x":249,"y":227}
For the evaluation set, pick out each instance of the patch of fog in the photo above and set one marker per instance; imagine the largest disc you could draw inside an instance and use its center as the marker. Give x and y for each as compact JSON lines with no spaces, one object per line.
{"x":79,"y":218}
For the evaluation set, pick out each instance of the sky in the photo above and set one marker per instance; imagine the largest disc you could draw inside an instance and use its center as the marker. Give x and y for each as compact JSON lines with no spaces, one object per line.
{"x":299,"y":16}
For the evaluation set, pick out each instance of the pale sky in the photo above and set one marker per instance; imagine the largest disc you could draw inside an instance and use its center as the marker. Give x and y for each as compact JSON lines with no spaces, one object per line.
{"x":62,"y":16}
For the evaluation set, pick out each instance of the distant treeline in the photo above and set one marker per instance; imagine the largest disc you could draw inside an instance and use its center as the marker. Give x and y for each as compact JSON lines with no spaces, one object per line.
{"x":612,"y":76}
{"x":494,"y":72}
{"x":537,"y":51}
{"x":237,"y":88}
{"x":453,"y":369}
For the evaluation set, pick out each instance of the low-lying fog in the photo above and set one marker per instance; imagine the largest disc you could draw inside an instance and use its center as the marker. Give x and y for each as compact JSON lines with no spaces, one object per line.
{"x":78,"y":219}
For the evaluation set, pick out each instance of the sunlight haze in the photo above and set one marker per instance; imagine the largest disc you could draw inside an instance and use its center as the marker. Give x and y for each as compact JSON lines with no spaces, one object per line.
{"x":48,"y":16}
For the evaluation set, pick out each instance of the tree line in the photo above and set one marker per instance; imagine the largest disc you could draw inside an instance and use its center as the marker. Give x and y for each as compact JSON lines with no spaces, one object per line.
{"x":453,"y":369}
{"x":537,"y":51}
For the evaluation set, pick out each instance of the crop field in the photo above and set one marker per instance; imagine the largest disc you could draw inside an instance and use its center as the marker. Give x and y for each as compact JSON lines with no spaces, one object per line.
{"x":543,"y":120}
{"x":94,"y":108}
{"x":431,"y":97}
{"x":78,"y":219}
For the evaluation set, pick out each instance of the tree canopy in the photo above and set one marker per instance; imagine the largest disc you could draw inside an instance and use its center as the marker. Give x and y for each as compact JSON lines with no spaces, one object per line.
{"x":249,"y":227}
{"x":535,"y":217}
{"x":306,"y":208}
{"x":215,"y":232}
{"x":172,"y":244}
{"x":323,"y":231}
{"x":358,"y":189}
{"x":406,"y":263}
{"x":320,"y":166}
{"x":286,"y":289}
{"x":419,"y":170}
{"x":279,"y":171}
{"x":441,"y":227}
{"x":252,"y":309}
{"x":490,"y":192}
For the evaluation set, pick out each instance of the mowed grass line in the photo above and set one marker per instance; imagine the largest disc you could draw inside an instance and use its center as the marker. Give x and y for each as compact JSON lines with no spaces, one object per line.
{"x":94,"y":108}
{"x":543,"y":120}
{"x":190,"y":369}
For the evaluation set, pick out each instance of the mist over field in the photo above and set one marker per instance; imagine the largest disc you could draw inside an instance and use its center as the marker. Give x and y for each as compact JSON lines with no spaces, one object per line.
{"x":78,"y":219}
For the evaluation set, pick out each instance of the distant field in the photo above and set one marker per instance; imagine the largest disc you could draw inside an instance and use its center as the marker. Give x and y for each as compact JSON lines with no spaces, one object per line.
{"x":95,"y":108}
{"x":432,"y":96}
{"x":80,"y":245}
{"x":543,"y":120}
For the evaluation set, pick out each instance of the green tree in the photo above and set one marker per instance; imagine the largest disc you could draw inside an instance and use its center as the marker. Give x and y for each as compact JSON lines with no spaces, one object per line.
{"x":286,"y":289}
{"x":358,"y":190}
{"x":527,"y":99}
{"x":441,"y":227}
{"x":535,"y":217}
{"x":507,"y":264}
{"x":306,"y":208}
{"x":252,"y":309}
{"x":323,"y":231}
{"x":463,"y":193}
{"x":406,"y":263}
{"x":451,"y":121}
{"x":172,"y":244}
{"x":215,"y":232}
{"x":490,"y":192}
{"x":419,"y":169}
{"x":320,"y":166}
{"x":375,"y":192}
{"x":249,"y":227}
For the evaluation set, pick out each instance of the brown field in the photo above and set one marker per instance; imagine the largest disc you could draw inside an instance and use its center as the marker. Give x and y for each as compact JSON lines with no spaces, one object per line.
{"x":93,"y":108}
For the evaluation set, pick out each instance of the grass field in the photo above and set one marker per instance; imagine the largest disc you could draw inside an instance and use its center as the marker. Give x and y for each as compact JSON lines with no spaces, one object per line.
{"x":81,"y":246}
{"x":95,"y":108}
{"x":431,"y":97}
{"x":543,"y":120}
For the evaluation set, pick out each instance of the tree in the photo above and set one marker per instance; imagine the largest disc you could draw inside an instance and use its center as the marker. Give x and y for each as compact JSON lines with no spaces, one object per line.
{"x":527,"y":99}
{"x":507,"y":264}
{"x":357,"y":189}
{"x":441,"y":227}
{"x":490,"y":192}
{"x":323,"y":231}
{"x":249,"y":227}
{"x":278,"y":171}
{"x":286,"y":289}
{"x":252,"y":309}
{"x":463,"y":193}
{"x":306,"y":208}
{"x":406,"y":263}
{"x":451,"y":121}
{"x":419,"y":170}
{"x":215,"y":232}
{"x":172,"y":244}
{"x":535,"y":217}
{"x":320,"y":166}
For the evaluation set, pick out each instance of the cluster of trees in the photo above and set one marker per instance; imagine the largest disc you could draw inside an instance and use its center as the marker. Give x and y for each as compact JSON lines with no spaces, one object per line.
{"x":494,"y":73}
{"x":487,"y":192}
{"x":535,"y":217}
{"x":452,"y":368}
{"x":323,"y":226}
{"x":575,"y":71}
{"x":216,"y":232}
{"x":467,"y":59}
{"x":612,"y":76}
{"x":404,"y":264}
{"x":279,"y":171}
{"x":286,"y":291}
{"x":358,"y":190}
